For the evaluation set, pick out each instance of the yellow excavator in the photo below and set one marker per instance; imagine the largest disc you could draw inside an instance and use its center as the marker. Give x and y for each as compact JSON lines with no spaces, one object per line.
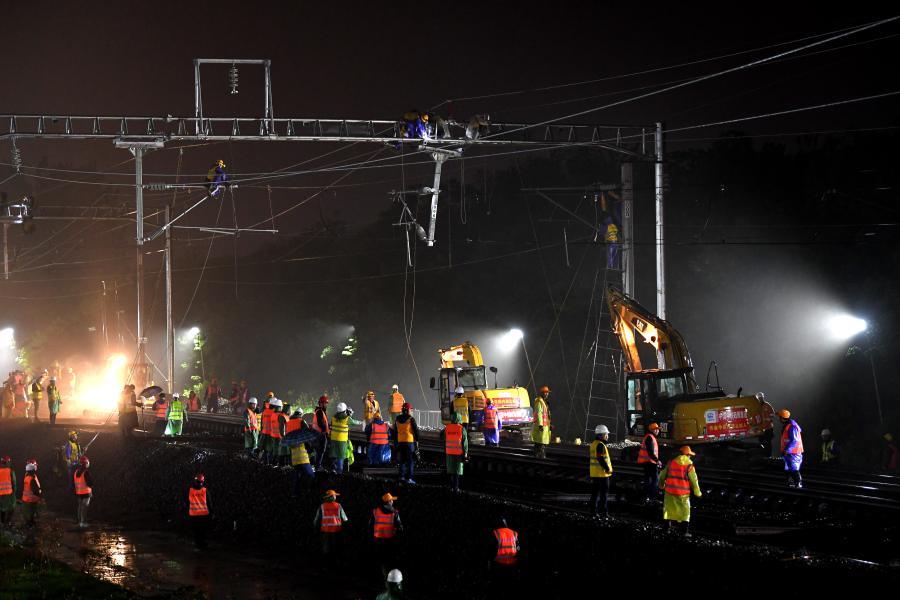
{"x":669,"y":395}
{"x":462,"y":366}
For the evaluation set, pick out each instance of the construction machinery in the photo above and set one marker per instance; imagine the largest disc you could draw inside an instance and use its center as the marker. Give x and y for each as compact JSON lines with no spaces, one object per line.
{"x":462,"y":366}
{"x":669,"y":395}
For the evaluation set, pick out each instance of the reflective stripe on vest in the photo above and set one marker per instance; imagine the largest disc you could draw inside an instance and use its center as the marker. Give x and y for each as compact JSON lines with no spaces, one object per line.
{"x":176,"y":411}
{"x":545,"y":412}
{"x":6,"y":488}
{"x":81,"y":486}
{"x":27,"y":494}
{"x":597,"y":469}
{"x":397,"y":401}
{"x":36,"y":394}
{"x":293,"y":425}
{"x":339,"y":429}
{"x":490,"y":418}
{"x":404,"y":431}
{"x":677,"y":482}
{"x":453,"y":439}
{"x":379,"y":434}
{"x":252,"y":423}
{"x":384,"y":524}
{"x":75,"y":452}
{"x":299,"y":455}
{"x":197,"y":502}
{"x":331,"y":517}
{"x":612,"y":233}
{"x":786,"y":438}
{"x":161,"y":409}
{"x":266,"y":424}
{"x":506,"y":545}
{"x":275,"y":427}
{"x":643,"y":455}
{"x":828,"y":453}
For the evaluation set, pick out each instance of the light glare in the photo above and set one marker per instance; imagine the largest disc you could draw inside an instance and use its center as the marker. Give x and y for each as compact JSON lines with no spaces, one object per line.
{"x":510,"y":340}
{"x":843,"y":327}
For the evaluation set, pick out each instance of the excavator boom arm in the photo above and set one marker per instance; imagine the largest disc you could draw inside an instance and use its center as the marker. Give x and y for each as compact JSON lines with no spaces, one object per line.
{"x":631,"y":322}
{"x":466,"y":352}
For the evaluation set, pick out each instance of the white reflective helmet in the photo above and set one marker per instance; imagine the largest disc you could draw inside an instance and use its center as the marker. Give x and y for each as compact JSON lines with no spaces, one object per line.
{"x":395,"y":576}
{"x":252,"y":401}
{"x":275,"y":402}
{"x":341,"y":407}
{"x":176,"y":395}
{"x":826,"y":432}
{"x":395,"y":387}
{"x":460,"y":390}
{"x":600,"y":429}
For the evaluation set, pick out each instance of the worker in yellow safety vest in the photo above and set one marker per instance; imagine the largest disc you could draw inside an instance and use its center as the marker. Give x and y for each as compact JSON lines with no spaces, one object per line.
{"x":461,"y":405}
{"x":176,"y":415}
{"x":600,"y":470}
{"x":370,"y":407}
{"x":340,"y":436}
{"x":831,"y":456}
{"x":540,"y":427}
{"x":679,"y":480}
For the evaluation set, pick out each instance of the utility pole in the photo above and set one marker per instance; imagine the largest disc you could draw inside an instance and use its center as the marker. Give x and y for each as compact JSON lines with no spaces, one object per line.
{"x":627,"y":171}
{"x":5,"y":251}
{"x":660,"y":236}
{"x":137,"y":148}
{"x":170,"y":331}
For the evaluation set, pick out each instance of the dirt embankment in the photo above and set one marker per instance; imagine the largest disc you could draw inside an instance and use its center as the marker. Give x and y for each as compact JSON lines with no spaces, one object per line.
{"x":447,"y":542}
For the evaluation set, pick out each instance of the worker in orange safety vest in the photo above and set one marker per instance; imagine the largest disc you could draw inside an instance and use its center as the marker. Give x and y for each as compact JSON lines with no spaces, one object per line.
{"x":83,"y":486}
{"x":791,"y":448}
{"x":397,"y":401}
{"x":31,"y":491}
{"x":7,"y":490}
{"x":198,"y":510}
{"x":456,"y":449}
{"x":648,"y":459}
{"x":329,"y":520}
{"x":679,"y":480}
{"x":386,"y":525}
{"x":506,"y":542}
{"x":378,"y":433}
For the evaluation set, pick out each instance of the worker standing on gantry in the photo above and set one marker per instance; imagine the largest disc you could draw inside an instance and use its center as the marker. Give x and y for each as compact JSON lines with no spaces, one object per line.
{"x":540,"y":427}
{"x":479,"y":125}
{"x":611,"y":236}
{"x":791,"y":448}
{"x":600,"y":470}
{"x":648,"y":459}
{"x":679,"y":480}
{"x":217,"y":179}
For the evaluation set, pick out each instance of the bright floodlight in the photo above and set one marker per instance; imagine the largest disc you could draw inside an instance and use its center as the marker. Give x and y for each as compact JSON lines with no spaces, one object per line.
{"x":843,"y":327}
{"x":193,"y":331}
{"x":7,"y":337}
{"x":510,"y":340}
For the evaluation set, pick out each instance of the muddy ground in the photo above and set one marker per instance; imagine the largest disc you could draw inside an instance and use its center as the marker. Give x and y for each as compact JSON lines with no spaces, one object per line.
{"x":447,"y":543}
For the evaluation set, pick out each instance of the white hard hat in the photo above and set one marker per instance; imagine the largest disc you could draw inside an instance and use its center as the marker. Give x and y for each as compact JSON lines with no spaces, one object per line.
{"x":395,"y":387}
{"x":460,"y":390}
{"x":275,"y":402}
{"x":176,"y":395}
{"x":341,"y":407}
{"x":601,"y":429}
{"x":252,"y":401}
{"x":395,"y":576}
{"x":826,"y":432}
{"x":30,"y":467}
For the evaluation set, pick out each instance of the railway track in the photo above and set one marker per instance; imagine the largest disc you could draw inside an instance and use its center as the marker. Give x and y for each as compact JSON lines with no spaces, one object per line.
{"x":841,"y":493}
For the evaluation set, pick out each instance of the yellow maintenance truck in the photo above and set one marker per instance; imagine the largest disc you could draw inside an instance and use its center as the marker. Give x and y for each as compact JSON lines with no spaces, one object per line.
{"x":462,"y":366}
{"x":669,"y":395}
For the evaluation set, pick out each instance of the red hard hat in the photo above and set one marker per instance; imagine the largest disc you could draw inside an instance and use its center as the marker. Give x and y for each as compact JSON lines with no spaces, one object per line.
{"x":323,"y":399}
{"x":84,"y":460}
{"x":200,"y":477}
{"x":6,"y":459}
{"x":406,"y":406}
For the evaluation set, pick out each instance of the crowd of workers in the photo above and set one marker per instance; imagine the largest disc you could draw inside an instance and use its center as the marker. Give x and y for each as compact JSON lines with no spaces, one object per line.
{"x":22,"y":394}
{"x":277,"y":434}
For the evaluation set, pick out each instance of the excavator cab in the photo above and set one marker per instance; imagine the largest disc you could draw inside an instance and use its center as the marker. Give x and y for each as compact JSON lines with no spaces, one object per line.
{"x":652,"y":395}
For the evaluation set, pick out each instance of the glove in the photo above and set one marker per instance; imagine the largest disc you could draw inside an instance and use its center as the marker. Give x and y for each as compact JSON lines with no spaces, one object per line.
{"x":349,"y":412}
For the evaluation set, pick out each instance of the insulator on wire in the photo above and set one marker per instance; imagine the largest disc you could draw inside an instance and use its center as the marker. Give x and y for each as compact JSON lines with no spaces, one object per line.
{"x":233,"y":79}
{"x":16,"y":157}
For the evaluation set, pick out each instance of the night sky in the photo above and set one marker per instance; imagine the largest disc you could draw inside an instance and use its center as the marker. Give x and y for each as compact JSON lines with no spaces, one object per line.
{"x":737,"y":304}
